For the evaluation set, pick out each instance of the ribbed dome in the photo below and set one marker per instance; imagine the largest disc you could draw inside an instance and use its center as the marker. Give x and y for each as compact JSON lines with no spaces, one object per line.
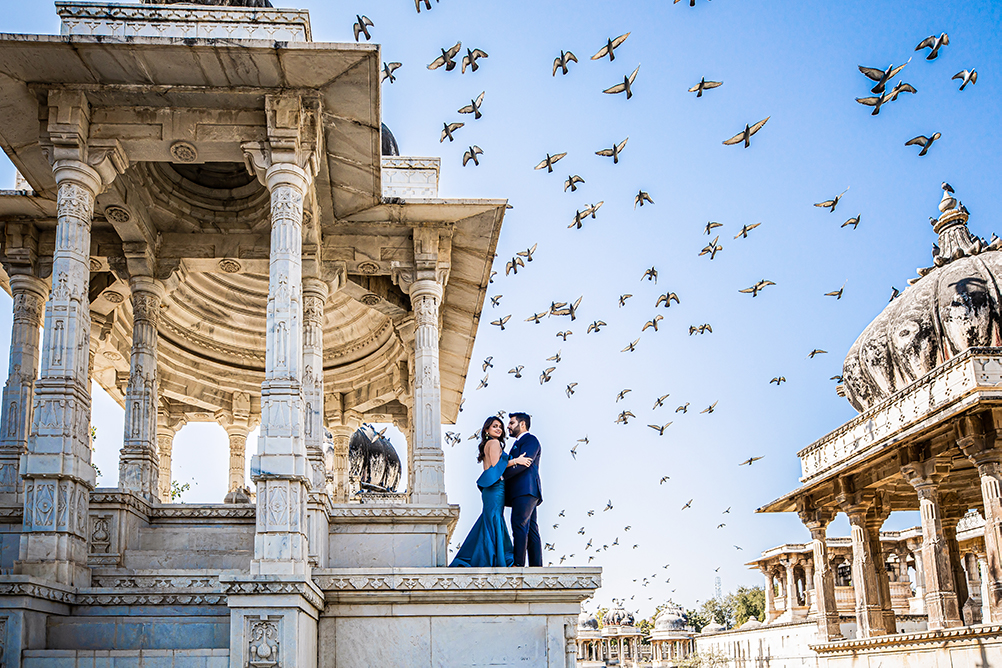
{"x":955,"y":305}
{"x":618,"y":617}
{"x":712,"y":627}
{"x":371,"y":458}
{"x":670,"y":619}
{"x":388,"y":141}
{"x":752,"y":623}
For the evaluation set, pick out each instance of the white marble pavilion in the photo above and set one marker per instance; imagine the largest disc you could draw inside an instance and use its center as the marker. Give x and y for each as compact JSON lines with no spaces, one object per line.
{"x":205,"y":226}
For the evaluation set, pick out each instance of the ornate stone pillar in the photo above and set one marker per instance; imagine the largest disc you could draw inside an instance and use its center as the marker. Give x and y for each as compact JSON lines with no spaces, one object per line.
{"x":915,"y":546}
{"x":791,"y":586}
{"x":57,"y":470}
{"x":869,"y":613}
{"x":427,"y":481}
{"x":950,"y":517}
{"x":29,"y":295}
{"x":236,"y":434}
{"x":281,"y":467}
{"x":817,"y":521}
{"x":138,"y":468}
{"x":876,"y":514}
{"x":973,"y":572}
{"x":940,"y":589}
{"x":978,"y":443}
{"x":314,"y":298}
{"x":167,"y":425}
{"x":770,"y":594}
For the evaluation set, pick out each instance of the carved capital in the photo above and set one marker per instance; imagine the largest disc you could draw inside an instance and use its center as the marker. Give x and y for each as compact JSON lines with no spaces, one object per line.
{"x":293,"y":139}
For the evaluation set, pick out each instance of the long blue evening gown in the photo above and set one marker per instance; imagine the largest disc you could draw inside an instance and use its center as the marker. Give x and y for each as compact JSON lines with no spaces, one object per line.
{"x":488,"y":543}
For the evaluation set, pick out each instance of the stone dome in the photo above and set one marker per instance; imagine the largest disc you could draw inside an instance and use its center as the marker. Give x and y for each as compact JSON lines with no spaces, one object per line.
{"x":954,"y":305}
{"x":388,"y":141}
{"x":670,"y":619}
{"x":587,"y":621}
{"x":618,"y":617}
{"x":711,"y":628}
{"x":752,"y":623}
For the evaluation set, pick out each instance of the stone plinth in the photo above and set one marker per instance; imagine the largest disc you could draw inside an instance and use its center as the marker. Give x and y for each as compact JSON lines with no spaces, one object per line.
{"x":373,"y":535}
{"x":451,"y":616}
{"x":183,"y":22}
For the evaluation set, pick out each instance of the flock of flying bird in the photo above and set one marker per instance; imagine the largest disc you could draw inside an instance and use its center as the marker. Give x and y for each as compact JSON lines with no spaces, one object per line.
{"x":882,"y":92}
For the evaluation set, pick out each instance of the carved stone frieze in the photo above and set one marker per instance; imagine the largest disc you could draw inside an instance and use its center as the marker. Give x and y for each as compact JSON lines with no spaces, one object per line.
{"x":236,"y":587}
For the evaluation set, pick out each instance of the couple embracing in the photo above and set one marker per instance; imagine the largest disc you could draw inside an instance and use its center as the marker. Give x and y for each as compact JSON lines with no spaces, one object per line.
{"x":509,"y":479}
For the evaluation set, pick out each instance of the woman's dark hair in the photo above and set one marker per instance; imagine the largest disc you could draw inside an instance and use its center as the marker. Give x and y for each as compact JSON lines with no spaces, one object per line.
{"x":484,"y":437}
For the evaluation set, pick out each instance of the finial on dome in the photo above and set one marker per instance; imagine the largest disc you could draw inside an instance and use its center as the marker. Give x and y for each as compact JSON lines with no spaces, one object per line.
{"x":947,"y":202}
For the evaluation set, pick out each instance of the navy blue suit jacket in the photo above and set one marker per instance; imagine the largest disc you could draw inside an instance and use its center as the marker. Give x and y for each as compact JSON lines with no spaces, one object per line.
{"x":522,"y":480}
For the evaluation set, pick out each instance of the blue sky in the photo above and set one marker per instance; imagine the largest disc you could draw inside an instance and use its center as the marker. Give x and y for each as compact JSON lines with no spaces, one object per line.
{"x":795,"y":62}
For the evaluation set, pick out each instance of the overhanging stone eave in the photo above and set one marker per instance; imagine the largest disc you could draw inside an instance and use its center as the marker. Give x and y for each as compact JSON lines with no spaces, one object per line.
{"x":345,"y":75}
{"x":460,"y":360}
{"x":415,"y":212}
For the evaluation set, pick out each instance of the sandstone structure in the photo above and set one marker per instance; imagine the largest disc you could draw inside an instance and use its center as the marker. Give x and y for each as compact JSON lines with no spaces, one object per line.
{"x":206,"y":226}
{"x":925,"y":376}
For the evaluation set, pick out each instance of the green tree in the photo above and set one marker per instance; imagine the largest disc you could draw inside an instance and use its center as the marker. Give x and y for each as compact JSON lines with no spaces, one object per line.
{"x":748,"y":602}
{"x":647,"y":625}
{"x":696,"y":619}
{"x":176,"y":490}
{"x":719,"y":610}
{"x":93,"y":440}
{"x":600,"y":615}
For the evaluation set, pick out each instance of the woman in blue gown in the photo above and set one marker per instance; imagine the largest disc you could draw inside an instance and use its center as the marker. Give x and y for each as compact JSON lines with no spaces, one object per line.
{"x":488,"y":544}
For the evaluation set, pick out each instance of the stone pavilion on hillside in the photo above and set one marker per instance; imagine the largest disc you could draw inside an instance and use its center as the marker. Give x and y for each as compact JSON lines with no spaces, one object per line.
{"x":206,"y":224}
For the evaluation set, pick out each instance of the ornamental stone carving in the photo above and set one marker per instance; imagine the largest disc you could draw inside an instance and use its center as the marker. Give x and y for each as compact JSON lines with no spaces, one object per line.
{"x":117,"y":214}
{"x":229,"y":266}
{"x":263,"y":644}
{"x":182,"y":151}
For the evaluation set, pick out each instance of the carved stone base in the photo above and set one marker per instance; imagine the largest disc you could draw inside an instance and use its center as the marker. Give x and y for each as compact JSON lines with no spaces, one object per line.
{"x":273,"y":620}
{"x":373,"y":535}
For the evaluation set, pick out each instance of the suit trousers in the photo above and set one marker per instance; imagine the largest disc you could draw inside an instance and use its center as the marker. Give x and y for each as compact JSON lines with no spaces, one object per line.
{"x":525,"y":532}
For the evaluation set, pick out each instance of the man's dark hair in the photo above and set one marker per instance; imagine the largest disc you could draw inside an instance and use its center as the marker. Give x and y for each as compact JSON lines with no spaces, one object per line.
{"x":522,"y":417}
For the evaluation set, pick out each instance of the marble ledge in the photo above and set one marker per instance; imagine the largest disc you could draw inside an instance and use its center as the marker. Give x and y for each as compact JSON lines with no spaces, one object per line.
{"x":369,"y":586}
{"x":960,"y":635}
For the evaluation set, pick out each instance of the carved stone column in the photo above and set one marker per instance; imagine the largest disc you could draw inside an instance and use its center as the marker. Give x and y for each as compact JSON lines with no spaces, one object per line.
{"x":951,"y":516}
{"x":236,"y":434}
{"x":138,"y":468}
{"x":57,"y":470}
{"x":770,"y":595}
{"x":167,"y":425}
{"x":978,"y":443}
{"x":869,"y":614}
{"x":281,"y":467}
{"x":875,"y":517}
{"x":314,"y":298}
{"x":29,"y":295}
{"x":915,"y":546}
{"x":427,"y":482}
{"x":941,"y":594}
{"x":791,"y":587}
{"x":973,"y":570}
{"x":817,"y":521}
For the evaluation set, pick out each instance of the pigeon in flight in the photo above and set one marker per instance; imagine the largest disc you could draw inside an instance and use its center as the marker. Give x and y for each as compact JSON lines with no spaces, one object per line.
{"x":778,"y":380}
{"x":390,"y":68}
{"x":496,"y":301}
{"x":852,"y":221}
{"x":549,"y":161}
{"x":447,"y":58}
{"x":610,"y":48}
{"x":448,"y":129}
{"x":758,"y":287}
{"x":882,"y":77}
{"x":361,"y":27}
{"x":660,"y":401}
{"x":966,"y":77}
{"x":474,"y":107}
{"x":614,"y":151}
{"x":924,"y":142}
{"x":745,"y":229}
{"x":470,"y":60}
{"x":660,"y":428}
{"x":750,"y":461}
{"x":517,"y":371}
{"x":427,"y":4}
{"x":545,"y":376}
{"x":688,"y":504}
{"x":595,"y":327}
{"x":513,"y":265}
{"x":572,"y":182}
{"x":933,"y":43}
{"x":837,"y":294}
{"x":710,"y":226}
{"x":570,"y":390}
{"x":625,"y":87}
{"x":641,"y":198}
{"x":814,"y":353}
{"x":667,"y":298}
{"x":527,"y":253}
{"x":471,"y":154}
{"x":746,"y":134}
{"x":562,"y":61}
{"x":631,"y":347}
{"x":664,"y":479}
{"x":712,"y":248}
{"x":653,"y":322}
{"x":564,"y":335}
{"x":623,"y":298}
{"x":650,"y":274}
{"x":830,"y":204}
{"x":704,"y":85}
{"x":500,"y":322}
{"x":710,"y":408}
{"x":488,"y":363}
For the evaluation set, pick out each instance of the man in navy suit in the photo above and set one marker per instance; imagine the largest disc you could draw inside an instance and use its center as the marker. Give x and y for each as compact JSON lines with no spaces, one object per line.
{"x":523,"y":491}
